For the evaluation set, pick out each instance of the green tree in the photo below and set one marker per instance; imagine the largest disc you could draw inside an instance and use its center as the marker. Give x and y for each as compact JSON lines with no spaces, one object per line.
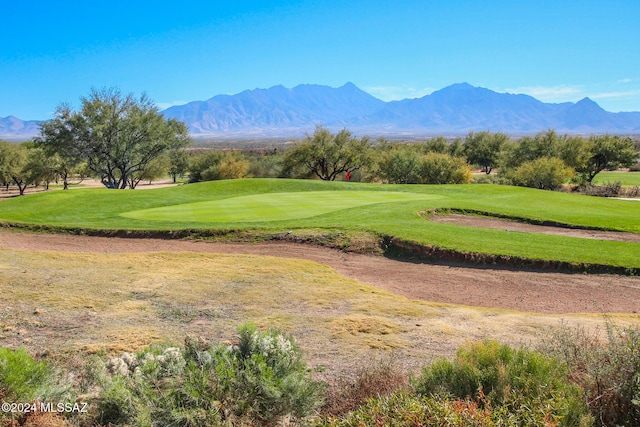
{"x":327,"y":155}
{"x":400,"y":165}
{"x":216,"y":165}
{"x":178,"y":162}
{"x":155,"y":169}
{"x":436,"y":144}
{"x":574,"y":151}
{"x":529,"y":148}
{"x":41,"y":168}
{"x":456,"y":148}
{"x":606,"y":152}
{"x":57,"y":141}
{"x":13,"y":162}
{"x":265,"y":164}
{"x":483,"y":149}
{"x":116,"y":135}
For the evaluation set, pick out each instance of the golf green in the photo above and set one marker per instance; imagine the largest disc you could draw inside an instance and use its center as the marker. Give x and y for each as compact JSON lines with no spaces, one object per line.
{"x":273,"y":206}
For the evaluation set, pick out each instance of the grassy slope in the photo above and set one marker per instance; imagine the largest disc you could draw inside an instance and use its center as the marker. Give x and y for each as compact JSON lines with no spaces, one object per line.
{"x":101,"y":208}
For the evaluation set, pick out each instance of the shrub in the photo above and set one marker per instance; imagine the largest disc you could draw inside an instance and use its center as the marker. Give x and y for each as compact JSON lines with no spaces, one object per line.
{"x":408,"y":410}
{"x":265,"y":377}
{"x":544,"y":173}
{"x":216,"y":165}
{"x":405,"y":165}
{"x":609,"y":189}
{"x":488,"y":179}
{"x":523,"y":385}
{"x":443,"y":169}
{"x":23,"y":379}
{"x":400,"y":166}
{"x":630,"y":191}
{"x":607,"y":369}
{"x":379,"y":377}
{"x":259,"y":381}
{"x":265,"y":165}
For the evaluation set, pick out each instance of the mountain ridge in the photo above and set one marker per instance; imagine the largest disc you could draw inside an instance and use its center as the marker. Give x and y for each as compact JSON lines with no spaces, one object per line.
{"x":455,"y":109}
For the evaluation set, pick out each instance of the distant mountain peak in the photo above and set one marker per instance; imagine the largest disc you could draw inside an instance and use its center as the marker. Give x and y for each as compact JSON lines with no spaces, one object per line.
{"x":463,"y":85}
{"x":590,"y":102}
{"x":455,"y":109}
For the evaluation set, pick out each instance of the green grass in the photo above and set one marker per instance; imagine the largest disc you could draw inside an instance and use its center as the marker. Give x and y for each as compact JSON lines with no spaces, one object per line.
{"x":280,"y":205}
{"x":272,"y":206}
{"x":627,"y":179}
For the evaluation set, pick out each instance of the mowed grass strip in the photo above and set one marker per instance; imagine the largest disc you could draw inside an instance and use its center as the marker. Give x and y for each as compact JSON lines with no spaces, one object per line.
{"x":70,"y":303}
{"x":273,"y":206}
{"x":627,"y":179}
{"x":254,"y":204}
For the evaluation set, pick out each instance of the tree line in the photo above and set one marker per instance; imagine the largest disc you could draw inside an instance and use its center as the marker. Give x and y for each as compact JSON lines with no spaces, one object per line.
{"x":122,"y":140}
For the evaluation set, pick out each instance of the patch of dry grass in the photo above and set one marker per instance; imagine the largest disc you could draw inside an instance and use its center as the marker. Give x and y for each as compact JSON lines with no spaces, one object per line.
{"x":70,"y":303}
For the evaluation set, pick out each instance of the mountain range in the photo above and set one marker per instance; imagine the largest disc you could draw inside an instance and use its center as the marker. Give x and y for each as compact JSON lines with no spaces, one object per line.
{"x":14,"y":128}
{"x":456,"y":109}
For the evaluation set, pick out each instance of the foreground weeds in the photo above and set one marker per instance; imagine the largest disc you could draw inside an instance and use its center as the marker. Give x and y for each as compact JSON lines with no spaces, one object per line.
{"x":577,"y":379}
{"x":606,"y":366}
{"x":376,"y":378}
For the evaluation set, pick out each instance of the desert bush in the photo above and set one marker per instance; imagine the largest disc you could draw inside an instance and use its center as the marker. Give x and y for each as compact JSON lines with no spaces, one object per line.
{"x":607,"y":368}
{"x":630,"y":191}
{"x":265,"y":165}
{"x":524,"y":386}
{"x":408,"y":410}
{"x":404,"y":164}
{"x":116,"y":404}
{"x":376,"y":378}
{"x":257,"y":382}
{"x":443,"y":169}
{"x":489,"y":179}
{"x":23,"y":379}
{"x":545,"y":173}
{"x":399,"y":166}
{"x":609,"y":189}
{"x":216,"y":165}
{"x":265,"y":377}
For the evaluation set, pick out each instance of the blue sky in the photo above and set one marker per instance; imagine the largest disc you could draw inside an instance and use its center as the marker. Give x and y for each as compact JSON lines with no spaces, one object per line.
{"x":182,"y":51}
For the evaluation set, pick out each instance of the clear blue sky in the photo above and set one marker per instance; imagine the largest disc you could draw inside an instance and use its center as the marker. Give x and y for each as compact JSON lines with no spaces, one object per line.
{"x":180,"y":51}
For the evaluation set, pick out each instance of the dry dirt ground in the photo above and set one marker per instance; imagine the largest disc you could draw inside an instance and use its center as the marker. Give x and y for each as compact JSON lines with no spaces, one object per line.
{"x":528,"y":291}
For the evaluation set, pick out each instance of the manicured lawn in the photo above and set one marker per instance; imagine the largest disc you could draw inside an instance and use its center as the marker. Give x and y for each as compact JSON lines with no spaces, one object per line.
{"x":280,"y":205}
{"x":272,"y":206}
{"x":630,"y":179}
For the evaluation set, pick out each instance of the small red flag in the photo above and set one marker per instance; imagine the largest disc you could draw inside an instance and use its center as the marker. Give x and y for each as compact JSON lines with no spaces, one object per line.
{"x":348,"y":176}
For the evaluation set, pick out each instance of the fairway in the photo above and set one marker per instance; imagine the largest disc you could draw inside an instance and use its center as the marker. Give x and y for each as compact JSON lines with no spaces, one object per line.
{"x":628,"y":179}
{"x":273,"y":206}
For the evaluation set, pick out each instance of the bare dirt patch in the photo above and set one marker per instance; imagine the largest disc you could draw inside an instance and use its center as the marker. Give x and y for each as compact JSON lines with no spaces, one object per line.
{"x":509,"y":225}
{"x":529,"y":291}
